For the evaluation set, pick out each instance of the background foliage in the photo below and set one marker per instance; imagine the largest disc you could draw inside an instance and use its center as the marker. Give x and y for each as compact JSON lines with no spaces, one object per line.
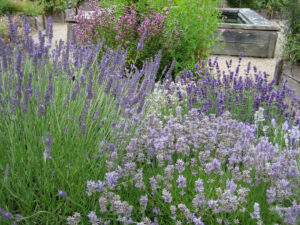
{"x":291,"y":11}
{"x":184,"y":30}
{"x":30,"y":8}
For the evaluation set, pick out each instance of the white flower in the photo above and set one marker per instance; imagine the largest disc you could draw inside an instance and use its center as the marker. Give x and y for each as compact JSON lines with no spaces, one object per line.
{"x":259,"y":115}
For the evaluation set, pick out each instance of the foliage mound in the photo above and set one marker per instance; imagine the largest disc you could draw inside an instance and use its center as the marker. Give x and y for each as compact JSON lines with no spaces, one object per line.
{"x":184,"y":30}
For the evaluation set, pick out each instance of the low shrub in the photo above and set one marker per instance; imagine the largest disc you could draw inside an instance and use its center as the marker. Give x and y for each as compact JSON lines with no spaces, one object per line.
{"x":57,"y":5}
{"x":183,"y":30}
{"x":196,"y":169}
{"x":271,"y":5}
{"x":291,"y":11}
{"x":56,"y":107}
{"x":27,"y":7}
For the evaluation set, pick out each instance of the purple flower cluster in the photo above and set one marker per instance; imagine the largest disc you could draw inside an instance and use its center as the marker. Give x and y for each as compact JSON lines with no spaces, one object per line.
{"x":125,"y":29}
{"x":69,"y":62}
{"x":90,"y":25}
{"x":215,"y":91}
{"x":220,"y":148}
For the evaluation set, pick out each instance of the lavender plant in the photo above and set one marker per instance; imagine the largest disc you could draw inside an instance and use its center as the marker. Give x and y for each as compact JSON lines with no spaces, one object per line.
{"x":197,"y":169}
{"x":242,"y":93}
{"x":57,"y":104}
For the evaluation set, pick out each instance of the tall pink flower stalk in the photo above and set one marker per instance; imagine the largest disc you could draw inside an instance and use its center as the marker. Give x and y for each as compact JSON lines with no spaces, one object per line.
{"x":125,"y":30}
{"x":92,"y":24}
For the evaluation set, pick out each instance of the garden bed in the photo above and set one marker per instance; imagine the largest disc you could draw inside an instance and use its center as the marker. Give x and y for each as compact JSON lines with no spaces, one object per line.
{"x":86,"y":140}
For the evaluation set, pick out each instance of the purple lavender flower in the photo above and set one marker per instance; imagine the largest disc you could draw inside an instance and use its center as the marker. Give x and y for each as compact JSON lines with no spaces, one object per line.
{"x":94,"y":220}
{"x":74,"y":220}
{"x":5,"y":214}
{"x":180,"y":165}
{"x":47,"y":151}
{"x":26,"y":26}
{"x":271,"y":194}
{"x":166,"y":195}
{"x":13,"y":30}
{"x":256,"y":212}
{"x":197,"y":221}
{"x":112,"y":178}
{"x":181,"y":180}
{"x":48,"y":94}
{"x":63,"y":194}
{"x":140,"y":45}
{"x":49,"y":29}
{"x":156,"y":210}
{"x":144,"y":201}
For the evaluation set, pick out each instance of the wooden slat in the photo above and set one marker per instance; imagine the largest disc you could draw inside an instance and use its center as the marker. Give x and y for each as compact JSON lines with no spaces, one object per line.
{"x":245,"y":36}
{"x":253,"y":50}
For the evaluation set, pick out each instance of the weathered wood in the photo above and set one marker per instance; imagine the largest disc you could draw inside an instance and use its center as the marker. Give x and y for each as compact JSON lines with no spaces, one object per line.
{"x":249,"y":49}
{"x":278,"y":70}
{"x":272,"y":44}
{"x":40,"y":24}
{"x":245,"y":36}
{"x":32,"y":22}
{"x":69,"y":14}
{"x":57,"y":17}
{"x":257,"y":37}
{"x":70,"y":32}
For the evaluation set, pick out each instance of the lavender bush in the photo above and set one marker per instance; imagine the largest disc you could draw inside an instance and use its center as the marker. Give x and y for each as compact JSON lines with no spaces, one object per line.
{"x":211,"y":90}
{"x":197,"y":169}
{"x":79,"y":145}
{"x":57,"y":104}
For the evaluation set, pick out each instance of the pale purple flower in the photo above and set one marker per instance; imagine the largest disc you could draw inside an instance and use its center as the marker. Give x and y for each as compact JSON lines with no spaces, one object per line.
{"x":74,"y":220}
{"x":166,"y":195}
{"x":5,"y":214}
{"x":94,"y":220}
{"x":256,"y":212}
{"x":62,"y":193}
{"x":144,"y":201}
{"x":181,"y":180}
{"x":47,"y":151}
{"x":180,"y":165}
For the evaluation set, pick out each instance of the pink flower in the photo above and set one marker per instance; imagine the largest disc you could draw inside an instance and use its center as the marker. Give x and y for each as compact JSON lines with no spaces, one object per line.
{"x":70,"y":2}
{"x":223,"y":9}
{"x":225,"y":17}
{"x":199,"y":16}
{"x":127,"y":42}
{"x":70,"y":6}
{"x":223,"y":30}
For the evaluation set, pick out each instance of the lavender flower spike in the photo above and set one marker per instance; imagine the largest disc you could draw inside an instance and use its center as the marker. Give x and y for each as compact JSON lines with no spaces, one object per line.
{"x":6,"y":215}
{"x":140,"y":45}
{"x":47,"y":151}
